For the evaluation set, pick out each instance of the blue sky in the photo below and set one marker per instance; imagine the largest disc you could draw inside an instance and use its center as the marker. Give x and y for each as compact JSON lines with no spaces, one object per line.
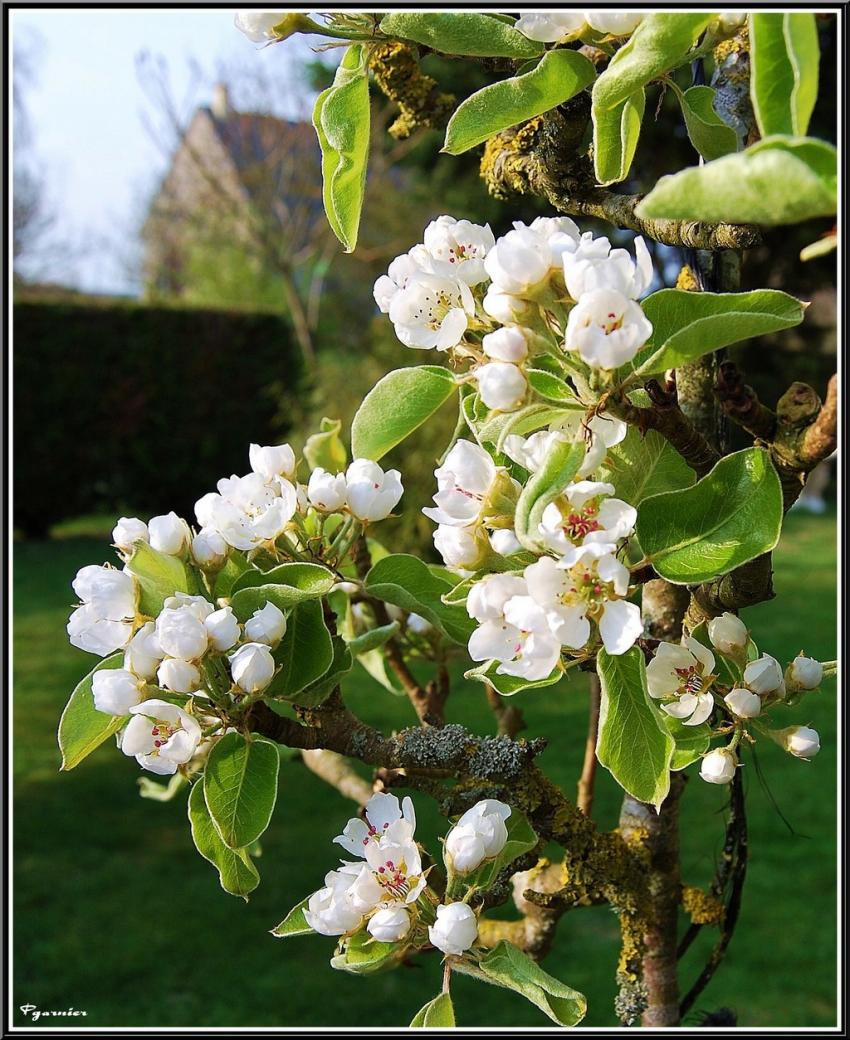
{"x":86,"y":108}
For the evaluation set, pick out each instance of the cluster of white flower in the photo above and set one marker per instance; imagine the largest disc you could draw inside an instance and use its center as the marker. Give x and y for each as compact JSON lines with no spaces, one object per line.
{"x":385,"y":890}
{"x":683,"y":678}
{"x":559,"y":26}
{"x":542,"y":282}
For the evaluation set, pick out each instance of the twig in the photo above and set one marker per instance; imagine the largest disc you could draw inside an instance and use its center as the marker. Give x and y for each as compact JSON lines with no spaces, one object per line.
{"x":508,"y":718}
{"x":588,"y":769}
{"x":741,"y":403}
{"x":334,"y":770}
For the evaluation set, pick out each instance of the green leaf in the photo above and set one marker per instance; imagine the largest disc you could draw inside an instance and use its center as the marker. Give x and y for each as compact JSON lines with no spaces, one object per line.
{"x":709,"y":134}
{"x":468,"y":33}
{"x":364,"y":955}
{"x":82,"y":727}
{"x":286,"y":586}
{"x":551,"y":386}
{"x":325,"y":450}
{"x":408,"y":583}
{"x":558,"y":469}
{"x":616,"y":133}
{"x":729,"y":517}
{"x":235,"y":566}
{"x":396,"y":406}
{"x":373,"y":639}
{"x":560,"y":75}
{"x":159,"y":576}
{"x":438,"y":1013}
{"x":236,"y":869}
{"x":240,"y":787}
{"x":157,"y":792}
{"x":784,"y":59}
{"x":779,"y":180}
{"x":341,"y":119}
{"x":633,"y":743}
{"x":644,"y":465}
{"x":304,"y":655}
{"x":660,"y":43}
{"x":319,"y":690}
{"x":687,"y":325}
{"x":508,"y":685}
{"x":510,"y":968}
{"x":691,"y":742}
{"x":294,"y":923}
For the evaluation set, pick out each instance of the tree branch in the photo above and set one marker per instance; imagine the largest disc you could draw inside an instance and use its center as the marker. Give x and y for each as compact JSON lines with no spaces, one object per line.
{"x":588,"y":769}
{"x":334,"y":770}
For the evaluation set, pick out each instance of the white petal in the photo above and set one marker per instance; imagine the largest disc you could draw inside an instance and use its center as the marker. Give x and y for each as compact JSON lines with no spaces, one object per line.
{"x":620,"y":626}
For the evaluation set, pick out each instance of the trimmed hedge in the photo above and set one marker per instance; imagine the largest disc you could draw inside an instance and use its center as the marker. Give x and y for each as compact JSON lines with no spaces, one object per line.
{"x":122,"y":407}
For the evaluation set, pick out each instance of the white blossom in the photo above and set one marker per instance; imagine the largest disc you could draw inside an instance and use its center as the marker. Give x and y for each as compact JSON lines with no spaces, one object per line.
{"x":161,"y":736}
{"x":505,"y":307}
{"x":505,"y":542}
{"x":522,"y":261}
{"x":339,"y":907}
{"x":802,"y":741}
{"x":431,"y":312}
{"x":614,"y":23}
{"x":178,"y":676}
{"x":258,"y":25}
{"x":199,"y":606}
{"x":501,"y":385}
{"x":521,"y":641}
{"x":458,"y":247}
{"x":465,"y":482}
{"x":143,"y":653}
{"x":272,"y":460}
{"x":606,"y":329}
{"x":381,"y":811}
{"x":389,"y":923}
{"x":116,"y":690}
{"x":462,"y":548}
{"x":599,"y":434}
{"x":247,"y":511}
{"x":222,"y":628}
{"x":718,"y":766}
{"x":105,"y":620}
{"x":764,"y":675}
{"x":506,"y":344}
{"x":455,"y":929}
{"x":396,"y":864}
{"x":372,"y":494}
{"x":550,"y":26}
{"x":804,"y":673}
{"x":181,"y":633}
{"x":478,"y":835}
{"x":266,"y":625}
{"x":585,"y":513}
{"x":744,"y":703}
{"x":252,"y":667}
{"x":327,"y":491}
{"x":593,"y":265}
{"x":209,"y":549}
{"x":728,"y":633}
{"x":398,"y":276}
{"x":487,"y":598}
{"x":681,"y":676}
{"x":128,"y":531}
{"x":169,"y":534}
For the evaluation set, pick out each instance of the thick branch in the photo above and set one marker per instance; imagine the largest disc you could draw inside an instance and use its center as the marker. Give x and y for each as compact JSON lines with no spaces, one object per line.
{"x":741,"y":403}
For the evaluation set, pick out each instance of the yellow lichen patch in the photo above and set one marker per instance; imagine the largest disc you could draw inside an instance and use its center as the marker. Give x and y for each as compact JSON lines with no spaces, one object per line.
{"x":504,"y":162}
{"x":739,"y":42}
{"x":398,"y":75}
{"x":702,"y":907}
{"x":687,"y":280}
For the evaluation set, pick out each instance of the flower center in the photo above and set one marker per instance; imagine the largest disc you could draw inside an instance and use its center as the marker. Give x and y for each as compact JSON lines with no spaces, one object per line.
{"x":611,"y":323}
{"x":581,"y":522}
{"x":582,"y":584}
{"x":394,"y":878}
{"x":162,"y":733}
{"x":692,"y":680}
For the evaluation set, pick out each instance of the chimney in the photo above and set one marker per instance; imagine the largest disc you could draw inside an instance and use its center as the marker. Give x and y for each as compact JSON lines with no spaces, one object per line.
{"x":220,"y":101}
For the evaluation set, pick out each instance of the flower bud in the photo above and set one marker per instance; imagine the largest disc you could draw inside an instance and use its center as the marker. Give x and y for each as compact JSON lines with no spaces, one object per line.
{"x":260,"y":26}
{"x":169,"y":534}
{"x":764,"y":675}
{"x":128,"y":531}
{"x":478,"y":835}
{"x":372,"y":494}
{"x":505,"y":542}
{"x":252,"y":667}
{"x":744,"y":703}
{"x":501,"y":385}
{"x":115,"y":690}
{"x":467,"y":548}
{"x":266,"y":625}
{"x":327,"y":491}
{"x":506,"y":344}
{"x":455,"y":929}
{"x":272,"y":460}
{"x":804,"y":673}
{"x":222,"y":628}
{"x":801,"y":741}
{"x":178,"y":676}
{"x":389,"y":924}
{"x":209,"y":549}
{"x":718,"y":766}
{"x":143,"y":653}
{"x":728,"y":633}
{"x":181,"y":633}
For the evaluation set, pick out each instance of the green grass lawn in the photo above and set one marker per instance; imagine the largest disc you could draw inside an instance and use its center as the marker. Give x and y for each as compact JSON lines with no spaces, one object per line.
{"x":117,"y":915}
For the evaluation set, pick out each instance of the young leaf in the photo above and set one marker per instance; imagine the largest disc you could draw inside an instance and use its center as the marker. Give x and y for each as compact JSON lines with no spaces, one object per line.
{"x":293,"y":583}
{"x":438,"y":1013}
{"x":294,"y":923}
{"x":508,"y":685}
{"x":396,"y":406}
{"x":784,"y":59}
{"x":408,"y":583}
{"x":325,"y":449}
{"x":643,"y":465}
{"x":236,"y":869}
{"x":552,"y":387}
{"x":711,"y":137}
{"x":729,"y":517}
{"x":633,"y":743}
{"x":687,"y":325}
{"x":82,"y":727}
{"x":560,"y":466}
{"x":240,"y":787}
{"x":779,"y":180}
{"x":235,"y":566}
{"x":363,"y":955}
{"x":373,"y":639}
{"x":616,"y":132}
{"x":467,"y":32}
{"x":510,"y":968}
{"x":159,"y":576}
{"x":341,"y":119}
{"x":305,"y":653}
{"x":560,"y":75}
{"x":660,"y":43}
{"x":691,"y":742}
